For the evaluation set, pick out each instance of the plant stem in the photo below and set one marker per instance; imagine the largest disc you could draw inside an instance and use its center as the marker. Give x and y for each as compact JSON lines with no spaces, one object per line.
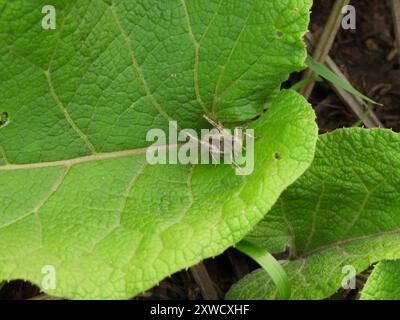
{"x":325,"y":42}
{"x":395,"y":4}
{"x":202,"y":278}
{"x":359,"y":107}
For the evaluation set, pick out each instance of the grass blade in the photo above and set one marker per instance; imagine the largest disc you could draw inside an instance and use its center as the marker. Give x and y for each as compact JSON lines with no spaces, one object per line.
{"x":270,"y":265}
{"x":327,"y":74}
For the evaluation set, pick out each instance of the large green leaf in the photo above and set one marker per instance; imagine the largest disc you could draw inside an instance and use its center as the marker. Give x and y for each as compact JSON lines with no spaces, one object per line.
{"x":75,"y":190}
{"x":384,"y":282}
{"x":344,"y":211}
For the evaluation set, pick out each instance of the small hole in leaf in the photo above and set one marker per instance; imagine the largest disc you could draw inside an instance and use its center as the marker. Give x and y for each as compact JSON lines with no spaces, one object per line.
{"x":3,"y":119}
{"x":279,"y":34}
{"x":278,"y":156}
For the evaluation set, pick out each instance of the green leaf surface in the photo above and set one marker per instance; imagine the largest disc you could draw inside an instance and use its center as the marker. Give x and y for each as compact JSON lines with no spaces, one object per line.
{"x":75,"y":190}
{"x":384,"y":282}
{"x":344,"y":211}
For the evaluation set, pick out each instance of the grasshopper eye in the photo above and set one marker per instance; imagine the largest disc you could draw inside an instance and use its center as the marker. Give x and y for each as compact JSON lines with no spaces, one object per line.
{"x":3,"y":119}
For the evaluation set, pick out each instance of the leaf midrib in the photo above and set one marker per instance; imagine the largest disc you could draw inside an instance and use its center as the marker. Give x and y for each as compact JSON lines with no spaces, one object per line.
{"x":84,"y":159}
{"x":344,"y":242}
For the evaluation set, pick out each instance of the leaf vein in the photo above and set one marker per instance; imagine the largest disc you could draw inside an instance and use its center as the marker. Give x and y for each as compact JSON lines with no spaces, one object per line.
{"x":67,"y":116}
{"x":340,"y":243}
{"x":222,"y":73}
{"x":137,"y":67}
{"x":84,"y":159}
{"x":196,"y":60}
